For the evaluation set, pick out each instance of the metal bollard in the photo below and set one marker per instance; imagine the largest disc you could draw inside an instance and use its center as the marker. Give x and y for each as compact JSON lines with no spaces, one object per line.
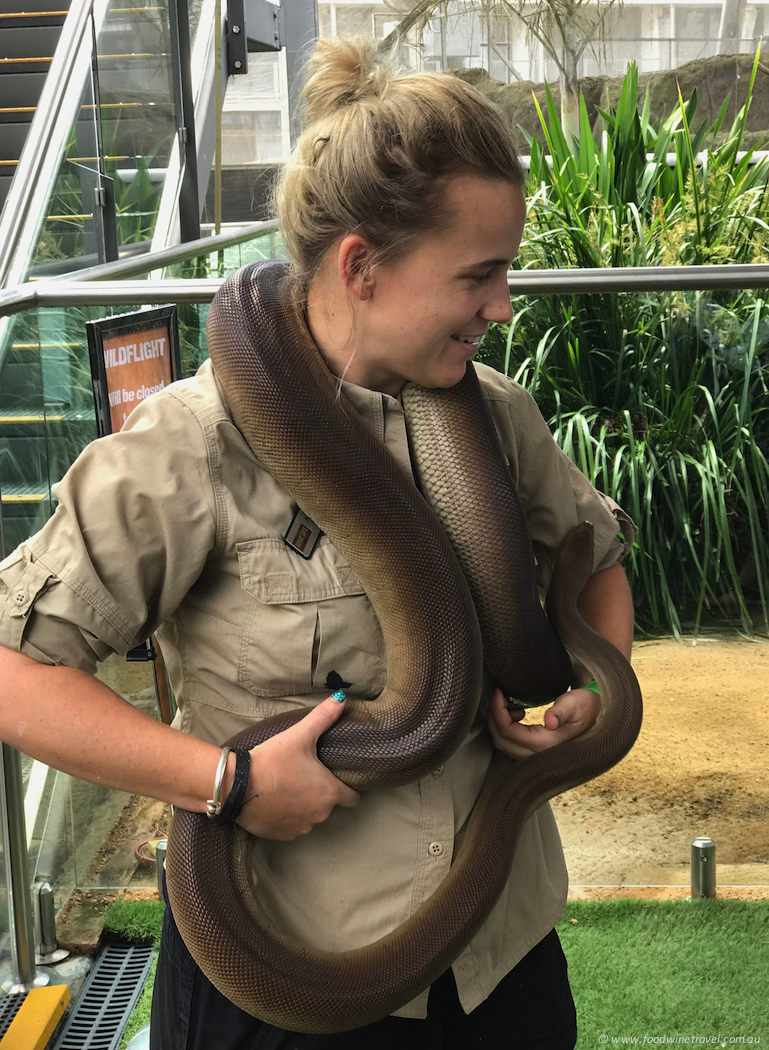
{"x":160,"y":862}
{"x":47,"y":950}
{"x":45,"y":918}
{"x":703,"y":868}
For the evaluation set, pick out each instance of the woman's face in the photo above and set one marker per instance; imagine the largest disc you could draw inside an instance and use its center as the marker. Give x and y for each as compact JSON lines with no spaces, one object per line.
{"x":426,"y":312}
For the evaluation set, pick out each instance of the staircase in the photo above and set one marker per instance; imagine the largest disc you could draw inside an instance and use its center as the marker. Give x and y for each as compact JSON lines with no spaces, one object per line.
{"x":46,"y":402}
{"x":27,"y":43}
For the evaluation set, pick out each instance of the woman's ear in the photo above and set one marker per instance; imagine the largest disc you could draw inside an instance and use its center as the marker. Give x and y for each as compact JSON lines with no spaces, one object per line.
{"x":354,"y":265}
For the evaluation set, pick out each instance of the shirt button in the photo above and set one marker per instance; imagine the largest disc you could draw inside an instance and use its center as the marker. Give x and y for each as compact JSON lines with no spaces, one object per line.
{"x":439,"y":771}
{"x":20,"y":597}
{"x":435,"y":849}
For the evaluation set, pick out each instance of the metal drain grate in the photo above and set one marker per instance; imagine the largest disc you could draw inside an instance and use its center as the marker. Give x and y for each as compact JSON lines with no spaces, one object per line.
{"x":107,"y":999}
{"x":9,"y":1007}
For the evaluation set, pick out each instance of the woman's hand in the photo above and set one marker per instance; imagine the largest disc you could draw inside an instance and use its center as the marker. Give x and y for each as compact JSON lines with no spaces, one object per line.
{"x":289,"y":788}
{"x":70,"y":720}
{"x":572,"y":714}
{"x":606,"y":605}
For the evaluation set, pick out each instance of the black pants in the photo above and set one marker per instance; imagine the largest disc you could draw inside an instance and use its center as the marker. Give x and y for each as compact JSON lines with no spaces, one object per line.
{"x":531,"y":1009}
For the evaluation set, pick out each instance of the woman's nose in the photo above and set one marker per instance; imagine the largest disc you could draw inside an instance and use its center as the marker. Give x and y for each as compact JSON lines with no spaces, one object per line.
{"x":499,"y":308}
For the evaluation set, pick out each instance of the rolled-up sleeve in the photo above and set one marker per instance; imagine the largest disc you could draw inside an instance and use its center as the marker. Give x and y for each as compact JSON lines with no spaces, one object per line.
{"x":129,"y":537}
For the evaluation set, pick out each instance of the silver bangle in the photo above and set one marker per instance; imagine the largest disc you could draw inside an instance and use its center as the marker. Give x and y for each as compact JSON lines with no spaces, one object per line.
{"x":214,"y":805}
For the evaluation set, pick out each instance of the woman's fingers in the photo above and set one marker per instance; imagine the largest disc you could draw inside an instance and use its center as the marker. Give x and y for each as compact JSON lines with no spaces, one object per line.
{"x":290,"y":790}
{"x":572,"y":714}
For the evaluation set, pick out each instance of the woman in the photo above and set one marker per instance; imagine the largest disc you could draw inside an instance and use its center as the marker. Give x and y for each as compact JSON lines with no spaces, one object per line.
{"x":402,"y":210}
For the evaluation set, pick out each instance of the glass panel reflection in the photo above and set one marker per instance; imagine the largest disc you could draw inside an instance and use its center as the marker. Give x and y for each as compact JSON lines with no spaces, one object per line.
{"x":138,"y":122}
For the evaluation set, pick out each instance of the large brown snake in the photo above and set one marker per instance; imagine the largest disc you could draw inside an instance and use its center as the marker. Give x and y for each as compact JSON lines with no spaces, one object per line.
{"x":286,"y":403}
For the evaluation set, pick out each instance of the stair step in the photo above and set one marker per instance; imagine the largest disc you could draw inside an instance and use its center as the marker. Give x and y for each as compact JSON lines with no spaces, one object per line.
{"x":54,"y":412}
{"x":34,"y":64}
{"x":21,"y":89}
{"x":117,"y":112}
{"x":5,"y":184}
{"x":46,"y":346}
{"x":18,"y":417}
{"x":17,"y":494}
{"x":18,"y":43}
{"x":31,"y":7}
{"x":12,"y":140}
{"x":24,"y":20}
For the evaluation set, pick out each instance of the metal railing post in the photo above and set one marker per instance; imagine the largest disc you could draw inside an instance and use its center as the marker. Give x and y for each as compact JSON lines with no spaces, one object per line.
{"x":24,"y":974}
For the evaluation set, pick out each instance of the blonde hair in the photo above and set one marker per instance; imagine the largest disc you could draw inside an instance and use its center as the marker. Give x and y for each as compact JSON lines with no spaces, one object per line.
{"x":376,"y":151}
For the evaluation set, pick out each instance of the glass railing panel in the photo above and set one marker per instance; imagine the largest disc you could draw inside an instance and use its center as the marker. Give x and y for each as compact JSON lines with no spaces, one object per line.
{"x":72,"y":227}
{"x":46,"y":403}
{"x":78,"y":834}
{"x":5,"y":896}
{"x":221,"y":263}
{"x":83,"y":835}
{"x":193,"y":13}
{"x":137,"y":111}
{"x":26,"y":421}
{"x":114,"y":158}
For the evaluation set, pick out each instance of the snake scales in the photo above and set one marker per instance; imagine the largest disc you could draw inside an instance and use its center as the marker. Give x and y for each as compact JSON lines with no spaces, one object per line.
{"x":286,"y":403}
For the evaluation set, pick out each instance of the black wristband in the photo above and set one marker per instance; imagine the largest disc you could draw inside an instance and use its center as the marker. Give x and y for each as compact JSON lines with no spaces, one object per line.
{"x":230,"y":811}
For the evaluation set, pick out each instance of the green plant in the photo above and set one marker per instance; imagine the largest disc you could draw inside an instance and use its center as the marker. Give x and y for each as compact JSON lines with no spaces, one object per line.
{"x":661,"y":399}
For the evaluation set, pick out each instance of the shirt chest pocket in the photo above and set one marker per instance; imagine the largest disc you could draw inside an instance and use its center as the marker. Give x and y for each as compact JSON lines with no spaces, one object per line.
{"x":306,"y":617}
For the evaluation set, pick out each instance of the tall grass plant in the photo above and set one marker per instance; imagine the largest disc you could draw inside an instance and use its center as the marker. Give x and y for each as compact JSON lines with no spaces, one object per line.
{"x":661,"y":399}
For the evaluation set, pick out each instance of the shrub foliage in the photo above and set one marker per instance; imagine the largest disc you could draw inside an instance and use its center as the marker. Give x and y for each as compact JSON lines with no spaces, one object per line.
{"x":661,"y":399}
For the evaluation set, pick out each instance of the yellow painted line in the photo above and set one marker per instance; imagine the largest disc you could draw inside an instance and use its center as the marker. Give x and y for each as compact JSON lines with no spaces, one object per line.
{"x":104,"y":105}
{"x":62,"y":218}
{"x":115,"y":105}
{"x":38,"y":1016}
{"x":21,"y":61}
{"x":36,"y":497}
{"x":9,"y":162}
{"x":40,"y":346}
{"x":33,"y":14}
{"x":30,"y":419}
{"x":75,"y":160}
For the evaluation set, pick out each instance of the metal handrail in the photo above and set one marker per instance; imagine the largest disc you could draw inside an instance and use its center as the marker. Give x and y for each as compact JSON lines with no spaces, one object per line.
{"x":638,"y":279}
{"x":152,"y":261}
{"x":37,"y":155}
{"x":521,"y":282}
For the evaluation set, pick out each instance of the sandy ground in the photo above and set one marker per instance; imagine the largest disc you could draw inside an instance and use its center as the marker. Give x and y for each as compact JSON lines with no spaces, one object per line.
{"x":699,"y":768}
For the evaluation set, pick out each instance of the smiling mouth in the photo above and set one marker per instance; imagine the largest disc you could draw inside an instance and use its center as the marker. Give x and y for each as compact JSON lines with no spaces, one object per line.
{"x":468,"y":340}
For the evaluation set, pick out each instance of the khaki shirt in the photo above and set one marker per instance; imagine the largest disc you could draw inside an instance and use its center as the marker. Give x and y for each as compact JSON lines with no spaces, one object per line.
{"x":173,"y":526}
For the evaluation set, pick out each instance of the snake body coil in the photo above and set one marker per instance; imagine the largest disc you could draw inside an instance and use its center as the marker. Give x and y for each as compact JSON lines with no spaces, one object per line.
{"x":286,"y":403}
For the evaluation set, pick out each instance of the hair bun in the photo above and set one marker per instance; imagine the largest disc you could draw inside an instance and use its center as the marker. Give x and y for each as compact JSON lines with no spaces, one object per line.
{"x":340,"y":73}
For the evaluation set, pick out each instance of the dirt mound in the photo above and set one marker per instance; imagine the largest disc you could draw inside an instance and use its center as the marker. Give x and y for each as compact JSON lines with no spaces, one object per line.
{"x":714,"y":79}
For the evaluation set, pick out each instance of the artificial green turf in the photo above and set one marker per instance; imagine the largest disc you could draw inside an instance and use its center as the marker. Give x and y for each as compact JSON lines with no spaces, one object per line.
{"x":684,"y":973}
{"x":137,"y":922}
{"x":669,"y":971}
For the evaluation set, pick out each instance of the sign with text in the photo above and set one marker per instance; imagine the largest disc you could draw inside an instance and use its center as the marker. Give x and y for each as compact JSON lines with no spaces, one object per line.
{"x":132,"y":357}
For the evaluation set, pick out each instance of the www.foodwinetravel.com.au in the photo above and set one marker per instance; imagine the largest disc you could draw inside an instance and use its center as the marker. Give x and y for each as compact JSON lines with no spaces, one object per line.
{"x":690,"y":1040}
